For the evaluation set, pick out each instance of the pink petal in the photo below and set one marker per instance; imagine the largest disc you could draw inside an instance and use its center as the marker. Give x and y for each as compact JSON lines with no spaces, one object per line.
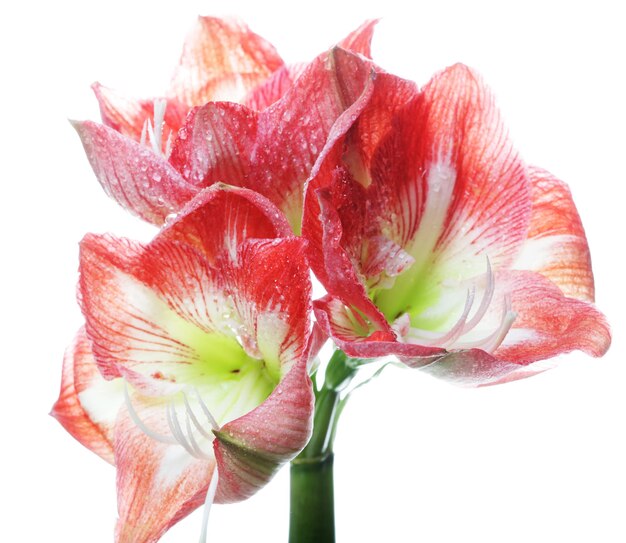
{"x":275,"y":87}
{"x":272,"y":152}
{"x":132,"y":175}
{"x":360,"y":40}
{"x":87,"y":404}
{"x":222,"y":217}
{"x":556,"y":245}
{"x":128,"y":116}
{"x":215,"y":144}
{"x":221,"y":60}
{"x":157,"y":484}
{"x":251,"y":449}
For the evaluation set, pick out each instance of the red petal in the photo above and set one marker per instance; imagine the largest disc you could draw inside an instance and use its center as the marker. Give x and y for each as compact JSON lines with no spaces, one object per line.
{"x":556,"y":245}
{"x":273,"y":88}
{"x":221,"y":217}
{"x":273,"y":296}
{"x":274,"y":154}
{"x":276,"y":86}
{"x":360,"y":40}
{"x":87,"y":404}
{"x":140,"y":303}
{"x":157,"y":484}
{"x":216,"y":144}
{"x":222,"y":60}
{"x":549,"y":323}
{"x":251,"y":449}
{"x":344,"y":167}
{"x":128,"y":116}
{"x":455,"y":124}
{"x":132,"y":175}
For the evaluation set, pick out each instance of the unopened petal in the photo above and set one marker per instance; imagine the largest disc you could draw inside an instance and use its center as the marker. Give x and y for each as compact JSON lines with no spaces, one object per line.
{"x":134,"y":176}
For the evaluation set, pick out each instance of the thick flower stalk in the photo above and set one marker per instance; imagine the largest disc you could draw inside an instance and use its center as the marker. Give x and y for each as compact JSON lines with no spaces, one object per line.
{"x":438,"y":244}
{"x":193,"y":360}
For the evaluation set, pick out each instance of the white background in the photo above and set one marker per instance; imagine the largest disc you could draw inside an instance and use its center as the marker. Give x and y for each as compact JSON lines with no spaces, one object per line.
{"x":539,"y":461}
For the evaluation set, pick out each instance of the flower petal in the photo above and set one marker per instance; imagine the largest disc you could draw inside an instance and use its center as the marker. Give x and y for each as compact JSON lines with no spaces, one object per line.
{"x":556,"y":245}
{"x":272,"y":152}
{"x":273,"y":291}
{"x":222,"y":217}
{"x":360,"y":40}
{"x":129,"y":116}
{"x":221,"y":60}
{"x":251,"y":449}
{"x":275,"y":87}
{"x":547,"y":324}
{"x":148,"y":311}
{"x":88,"y":404}
{"x":132,"y":175}
{"x":158,"y":484}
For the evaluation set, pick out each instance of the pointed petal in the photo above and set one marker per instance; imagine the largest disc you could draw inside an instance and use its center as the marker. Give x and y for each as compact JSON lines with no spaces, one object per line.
{"x":222,"y":217}
{"x":128,"y":116}
{"x":556,"y":245}
{"x":360,"y":40}
{"x":222,"y":60}
{"x":88,"y":404}
{"x":157,"y":484}
{"x":132,"y":175}
{"x":251,"y":449}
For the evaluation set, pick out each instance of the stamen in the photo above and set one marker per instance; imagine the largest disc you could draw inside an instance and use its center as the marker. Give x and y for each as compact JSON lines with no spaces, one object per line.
{"x":493,"y":340}
{"x":487,"y":297}
{"x":206,"y":411}
{"x":172,"y":420}
{"x":135,"y":418}
{"x":194,"y":444}
{"x":195,"y":421}
{"x":210,"y":496}
{"x":450,"y":339}
{"x":154,"y":132}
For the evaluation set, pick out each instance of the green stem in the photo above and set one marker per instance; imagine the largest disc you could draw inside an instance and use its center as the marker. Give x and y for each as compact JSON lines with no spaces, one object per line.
{"x":312,"y":514}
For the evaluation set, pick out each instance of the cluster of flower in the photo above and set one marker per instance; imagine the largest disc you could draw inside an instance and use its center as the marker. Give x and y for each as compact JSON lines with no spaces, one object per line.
{"x":434,"y":241}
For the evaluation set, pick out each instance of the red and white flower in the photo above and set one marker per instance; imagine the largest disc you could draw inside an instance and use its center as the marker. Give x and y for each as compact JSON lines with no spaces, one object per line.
{"x":193,"y":358}
{"x":271,"y":151}
{"x":439,"y":245}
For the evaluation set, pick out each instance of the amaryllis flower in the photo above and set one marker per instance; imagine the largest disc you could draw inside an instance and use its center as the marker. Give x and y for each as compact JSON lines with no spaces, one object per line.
{"x":222,"y":60}
{"x":193,"y":359}
{"x":271,"y":152}
{"x":439,"y":245}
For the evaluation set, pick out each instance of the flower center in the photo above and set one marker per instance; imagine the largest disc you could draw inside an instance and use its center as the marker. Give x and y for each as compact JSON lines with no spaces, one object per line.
{"x":152,"y":132}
